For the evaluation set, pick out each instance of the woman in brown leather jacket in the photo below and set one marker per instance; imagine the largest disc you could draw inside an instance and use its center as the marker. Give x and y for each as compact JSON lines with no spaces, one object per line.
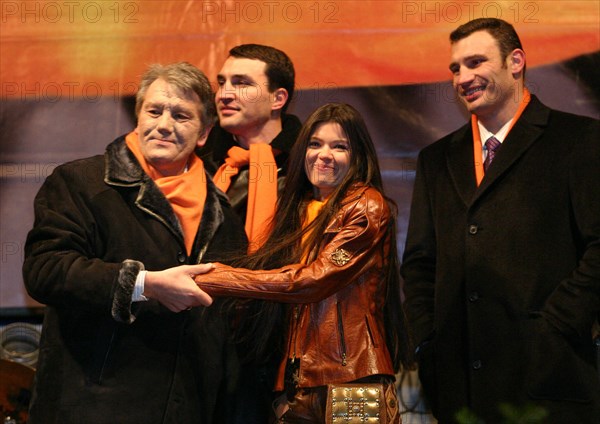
{"x":336,"y":227}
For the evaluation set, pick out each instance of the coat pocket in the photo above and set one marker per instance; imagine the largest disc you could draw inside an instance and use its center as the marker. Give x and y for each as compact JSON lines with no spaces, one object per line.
{"x":556,"y":369}
{"x":103,"y":353}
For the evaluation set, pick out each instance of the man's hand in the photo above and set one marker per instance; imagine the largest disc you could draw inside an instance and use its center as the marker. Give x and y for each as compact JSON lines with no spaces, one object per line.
{"x":175,"y":287}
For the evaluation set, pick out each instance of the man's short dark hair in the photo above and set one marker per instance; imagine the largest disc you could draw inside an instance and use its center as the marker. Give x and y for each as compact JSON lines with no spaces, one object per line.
{"x":503,"y":32}
{"x":279,"y":70}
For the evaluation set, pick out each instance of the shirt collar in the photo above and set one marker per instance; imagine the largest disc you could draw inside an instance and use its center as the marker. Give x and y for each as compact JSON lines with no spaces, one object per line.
{"x":500,"y":135}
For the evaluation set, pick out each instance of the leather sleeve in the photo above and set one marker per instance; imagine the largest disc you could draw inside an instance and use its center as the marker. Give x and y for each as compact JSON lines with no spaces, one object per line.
{"x":354,"y":238}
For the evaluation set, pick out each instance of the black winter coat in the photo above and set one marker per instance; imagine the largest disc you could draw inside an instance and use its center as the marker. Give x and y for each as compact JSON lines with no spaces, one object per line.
{"x":104,"y":359}
{"x":502,"y":281}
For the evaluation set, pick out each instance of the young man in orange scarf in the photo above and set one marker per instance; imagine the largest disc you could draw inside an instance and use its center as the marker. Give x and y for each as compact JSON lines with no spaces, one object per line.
{"x":249,"y":146}
{"x":502,"y":258}
{"x":248,"y":151}
{"x":116,"y":240}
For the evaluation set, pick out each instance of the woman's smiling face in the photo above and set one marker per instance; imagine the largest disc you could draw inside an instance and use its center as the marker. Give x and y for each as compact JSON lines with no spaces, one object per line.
{"x":327,"y":158}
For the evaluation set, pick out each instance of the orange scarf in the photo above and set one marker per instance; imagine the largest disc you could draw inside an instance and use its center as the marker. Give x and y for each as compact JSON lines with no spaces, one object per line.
{"x":185,"y":192}
{"x":262,"y":180}
{"x":477,"y":147}
{"x":312,"y":211}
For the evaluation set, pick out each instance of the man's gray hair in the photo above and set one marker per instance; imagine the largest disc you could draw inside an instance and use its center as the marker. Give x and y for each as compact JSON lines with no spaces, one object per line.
{"x":187,"y":78}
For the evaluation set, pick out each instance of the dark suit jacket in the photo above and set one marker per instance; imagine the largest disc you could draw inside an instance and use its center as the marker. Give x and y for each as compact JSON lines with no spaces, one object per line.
{"x":503,"y":280}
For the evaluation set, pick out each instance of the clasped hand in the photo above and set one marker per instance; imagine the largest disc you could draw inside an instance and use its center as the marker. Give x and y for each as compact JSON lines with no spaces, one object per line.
{"x":175,"y":287}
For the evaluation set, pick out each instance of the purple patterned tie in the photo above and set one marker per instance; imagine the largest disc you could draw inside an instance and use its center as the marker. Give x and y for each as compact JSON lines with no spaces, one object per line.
{"x":492,"y":145}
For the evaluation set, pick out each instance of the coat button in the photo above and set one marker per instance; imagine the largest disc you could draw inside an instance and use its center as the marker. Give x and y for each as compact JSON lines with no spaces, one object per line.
{"x":473,"y":296}
{"x":477,"y":364}
{"x":181,"y":257}
{"x":473,"y":229}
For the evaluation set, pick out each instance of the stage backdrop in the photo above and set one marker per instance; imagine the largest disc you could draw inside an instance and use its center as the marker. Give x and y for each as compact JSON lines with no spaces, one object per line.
{"x":68,"y":70}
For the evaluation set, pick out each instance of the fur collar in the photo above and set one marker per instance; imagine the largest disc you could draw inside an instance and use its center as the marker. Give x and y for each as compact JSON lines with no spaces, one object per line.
{"x":122,"y":170}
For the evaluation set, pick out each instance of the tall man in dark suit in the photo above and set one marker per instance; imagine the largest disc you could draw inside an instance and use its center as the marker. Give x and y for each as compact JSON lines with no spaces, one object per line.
{"x":502,"y":259}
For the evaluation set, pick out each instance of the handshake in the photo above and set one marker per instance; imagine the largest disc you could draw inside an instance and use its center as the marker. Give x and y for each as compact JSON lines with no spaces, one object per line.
{"x":175,"y":287}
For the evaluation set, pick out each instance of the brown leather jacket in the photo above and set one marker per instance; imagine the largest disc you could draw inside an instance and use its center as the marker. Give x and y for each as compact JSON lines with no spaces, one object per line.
{"x":337,"y":329}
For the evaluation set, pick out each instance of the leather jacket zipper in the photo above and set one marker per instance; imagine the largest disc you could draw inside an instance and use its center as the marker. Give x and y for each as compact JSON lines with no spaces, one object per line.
{"x":341,"y":330}
{"x":295,"y":333}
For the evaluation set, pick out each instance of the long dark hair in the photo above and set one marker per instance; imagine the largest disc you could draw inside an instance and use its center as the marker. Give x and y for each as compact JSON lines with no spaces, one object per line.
{"x":285,"y":244}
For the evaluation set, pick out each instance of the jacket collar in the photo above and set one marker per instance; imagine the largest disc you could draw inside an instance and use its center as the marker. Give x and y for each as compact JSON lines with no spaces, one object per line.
{"x":354,"y":192}
{"x":522,"y":136}
{"x":123,"y":170}
{"x":220,"y":141}
{"x":121,"y":166}
{"x":459,"y":159}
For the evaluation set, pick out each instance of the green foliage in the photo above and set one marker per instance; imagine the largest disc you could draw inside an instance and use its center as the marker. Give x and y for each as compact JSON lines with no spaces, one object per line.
{"x":528,"y":414}
{"x":466,"y":416}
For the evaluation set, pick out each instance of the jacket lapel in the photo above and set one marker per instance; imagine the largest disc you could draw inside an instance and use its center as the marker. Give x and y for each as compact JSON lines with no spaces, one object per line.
{"x":521,"y":137}
{"x":459,"y":160}
{"x":123,"y":170}
{"x":212,"y":218}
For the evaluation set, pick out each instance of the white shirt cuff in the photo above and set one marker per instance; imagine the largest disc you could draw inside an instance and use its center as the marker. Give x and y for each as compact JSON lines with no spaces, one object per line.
{"x":138,"y":289}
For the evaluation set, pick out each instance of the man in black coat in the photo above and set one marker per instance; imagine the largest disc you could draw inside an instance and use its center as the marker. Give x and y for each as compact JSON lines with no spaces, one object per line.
{"x":248,"y":151}
{"x":116,"y":241}
{"x":502,"y":259}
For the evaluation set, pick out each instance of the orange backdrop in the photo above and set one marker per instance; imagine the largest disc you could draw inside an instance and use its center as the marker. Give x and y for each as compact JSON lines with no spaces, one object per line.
{"x":54,"y":49}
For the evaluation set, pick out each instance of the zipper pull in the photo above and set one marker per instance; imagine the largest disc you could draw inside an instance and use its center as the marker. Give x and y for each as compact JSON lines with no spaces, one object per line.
{"x":344,"y":362}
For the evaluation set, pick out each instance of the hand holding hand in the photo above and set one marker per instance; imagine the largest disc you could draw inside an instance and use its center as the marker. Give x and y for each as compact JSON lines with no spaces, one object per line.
{"x":175,"y":287}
